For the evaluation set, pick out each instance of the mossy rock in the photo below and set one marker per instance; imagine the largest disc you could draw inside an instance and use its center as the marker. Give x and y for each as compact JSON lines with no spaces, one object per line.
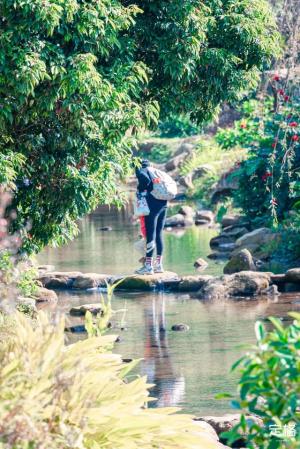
{"x":193,"y":283}
{"x":148,"y":282}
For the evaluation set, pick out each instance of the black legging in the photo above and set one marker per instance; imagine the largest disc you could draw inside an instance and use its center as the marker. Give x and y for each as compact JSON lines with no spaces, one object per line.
{"x":155,"y":222}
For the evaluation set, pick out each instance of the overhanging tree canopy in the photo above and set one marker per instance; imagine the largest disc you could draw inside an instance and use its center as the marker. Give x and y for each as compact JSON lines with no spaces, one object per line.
{"x":80,"y":78}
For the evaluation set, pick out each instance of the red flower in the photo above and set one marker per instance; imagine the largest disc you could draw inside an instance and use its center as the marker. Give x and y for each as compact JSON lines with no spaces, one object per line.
{"x":266,"y":175}
{"x":276,"y":78}
{"x":295,"y":138}
{"x":281,"y":92}
{"x":286,"y":98}
{"x":293,"y":124}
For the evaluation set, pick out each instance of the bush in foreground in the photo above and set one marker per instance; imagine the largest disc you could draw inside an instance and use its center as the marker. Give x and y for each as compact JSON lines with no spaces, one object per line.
{"x":270,"y":388}
{"x":58,"y":396}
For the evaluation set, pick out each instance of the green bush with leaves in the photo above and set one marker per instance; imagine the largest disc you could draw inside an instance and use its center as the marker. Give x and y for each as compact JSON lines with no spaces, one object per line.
{"x":79,"y":79}
{"x":159,"y":153}
{"x":75,"y":396}
{"x":177,"y":126}
{"x":269,"y":387}
{"x":269,"y":178}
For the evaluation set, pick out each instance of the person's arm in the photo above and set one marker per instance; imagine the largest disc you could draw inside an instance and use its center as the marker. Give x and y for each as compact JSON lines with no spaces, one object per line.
{"x":143,"y":180}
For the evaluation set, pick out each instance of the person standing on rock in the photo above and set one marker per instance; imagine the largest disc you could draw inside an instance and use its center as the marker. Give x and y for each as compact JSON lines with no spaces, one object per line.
{"x":157,"y":187}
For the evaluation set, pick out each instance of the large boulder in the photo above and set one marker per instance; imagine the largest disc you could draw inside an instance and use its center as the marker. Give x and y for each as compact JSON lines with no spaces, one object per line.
{"x":178,"y":220}
{"x":293,"y":275}
{"x":242,"y":261}
{"x":204,"y":215}
{"x":218,"y":255}
{"x":67,"y":280}
{"x":58,"y":280}
{"x":147,"y":146}
{"x":81,"y":310}
{"x":227,"y":422}
{"x":148,"y":282}
{"x":187,"y":211}
{"x":235,"y":231}
{"x":192,"y":283}
{"x":45,"y":295}
{"x":243,"y":284}
{"x":221,"y":239}
{"x":186,"y":148}
{"x":175,"y":162}
{"x":225,"y":187}
{"x":257,"y":242}
{"x":200,"y":264}
{"x":186,"y":181}
{"x":202,"y":170}
{"x":233,"y":220}
{"x":90,"y":280}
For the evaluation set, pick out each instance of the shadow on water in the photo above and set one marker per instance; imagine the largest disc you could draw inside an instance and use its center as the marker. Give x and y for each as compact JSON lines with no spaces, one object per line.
{"x":187,"y":368}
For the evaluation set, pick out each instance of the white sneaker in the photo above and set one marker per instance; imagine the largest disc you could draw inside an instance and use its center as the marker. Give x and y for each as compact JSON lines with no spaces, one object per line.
{"x":146,"y":269}
{"x":158,"y":268}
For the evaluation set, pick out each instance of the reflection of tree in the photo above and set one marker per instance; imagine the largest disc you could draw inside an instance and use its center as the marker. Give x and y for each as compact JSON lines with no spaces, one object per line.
{"x":168,"y":389}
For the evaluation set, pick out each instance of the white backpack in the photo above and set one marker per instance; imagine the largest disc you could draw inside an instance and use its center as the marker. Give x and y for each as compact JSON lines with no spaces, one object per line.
{"x":164,"y":187}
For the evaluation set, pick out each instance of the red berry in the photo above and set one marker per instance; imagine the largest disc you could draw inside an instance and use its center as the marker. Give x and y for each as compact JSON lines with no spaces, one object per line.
{"x":295,"y":138}
{"x":281,"y":92}
{"x":286,"y":98}
{"x":243,"y":125}
{"x":293,"y":124}
{"x":276,"y":77}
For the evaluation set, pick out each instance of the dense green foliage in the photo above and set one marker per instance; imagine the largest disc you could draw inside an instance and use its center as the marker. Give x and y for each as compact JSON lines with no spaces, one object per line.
{"x":270,"y":388}
{"x":79,"y":79}
{"x":159,"y":153}
{"x":55,"y":395}
{"x":177,"y":126}
{"x":269,"y":179}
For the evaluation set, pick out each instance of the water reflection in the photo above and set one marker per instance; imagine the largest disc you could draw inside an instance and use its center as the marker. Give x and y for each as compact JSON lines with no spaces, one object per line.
{"x":169,"y":389}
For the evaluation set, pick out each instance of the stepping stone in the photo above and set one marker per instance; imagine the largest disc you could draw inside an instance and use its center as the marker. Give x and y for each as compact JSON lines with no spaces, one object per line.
{"x":180,"y":327}
{"x":148,"y":282}
{"x":81,"y":310}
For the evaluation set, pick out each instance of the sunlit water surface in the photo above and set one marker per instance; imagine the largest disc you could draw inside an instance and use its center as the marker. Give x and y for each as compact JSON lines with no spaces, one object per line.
{"x":187,"y":368}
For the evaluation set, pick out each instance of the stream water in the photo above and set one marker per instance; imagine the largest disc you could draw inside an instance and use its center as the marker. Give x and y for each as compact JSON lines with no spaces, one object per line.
{"x":187,"y":368}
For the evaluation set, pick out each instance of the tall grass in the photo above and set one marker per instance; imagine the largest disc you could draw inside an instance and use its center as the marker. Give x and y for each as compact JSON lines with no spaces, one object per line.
{"x":57,"y":396}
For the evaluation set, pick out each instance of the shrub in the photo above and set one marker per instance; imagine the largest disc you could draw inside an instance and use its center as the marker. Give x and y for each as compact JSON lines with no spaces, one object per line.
{"x":270,"y":388}
{"x":160,"y":153}
{"x":178,"y":126}
{"x":57,"y":396}
{"x":269,"y":179}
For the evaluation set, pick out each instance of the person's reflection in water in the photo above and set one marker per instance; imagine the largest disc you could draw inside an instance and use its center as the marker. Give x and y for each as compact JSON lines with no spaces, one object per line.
{"x":168,"y":390}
